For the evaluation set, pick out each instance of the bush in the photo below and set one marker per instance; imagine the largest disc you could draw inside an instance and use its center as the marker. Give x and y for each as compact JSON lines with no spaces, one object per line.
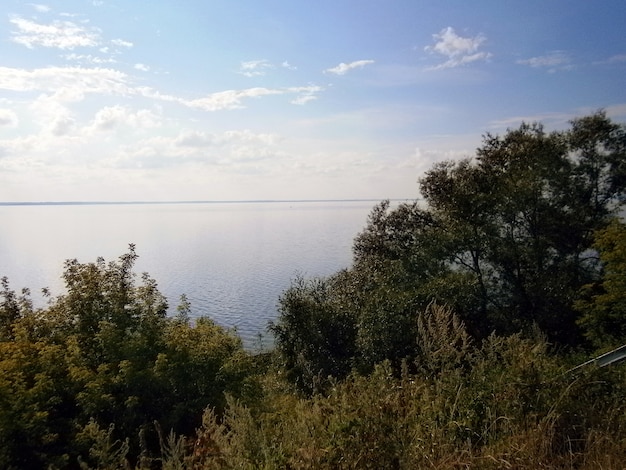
{"x":104,"y":356}
{"x":506,"y":403}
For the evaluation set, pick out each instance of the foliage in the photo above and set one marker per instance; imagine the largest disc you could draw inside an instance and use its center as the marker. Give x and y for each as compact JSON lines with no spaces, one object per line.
{"x":505,"y":239}
{"x":505,"y":403}
{"x":315,"y":335}
{"x":520,"y":220}
{"x":104,"y":356}
{"x":603,"y":304}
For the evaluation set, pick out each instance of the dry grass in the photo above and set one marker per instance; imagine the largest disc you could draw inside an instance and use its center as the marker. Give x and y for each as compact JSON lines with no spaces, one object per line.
{"x":503,"y":405}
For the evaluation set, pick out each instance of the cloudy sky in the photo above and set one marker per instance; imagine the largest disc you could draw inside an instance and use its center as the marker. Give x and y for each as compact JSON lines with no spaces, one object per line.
{"x":284,"y":99}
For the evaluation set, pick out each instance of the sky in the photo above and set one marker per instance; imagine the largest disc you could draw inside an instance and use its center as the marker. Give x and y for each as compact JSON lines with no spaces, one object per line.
{"x":117,"y":100}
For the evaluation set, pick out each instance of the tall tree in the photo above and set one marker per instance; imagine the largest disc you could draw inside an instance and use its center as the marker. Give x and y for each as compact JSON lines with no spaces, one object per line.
{"x":522,"y":215}
{"x":504,"y":238}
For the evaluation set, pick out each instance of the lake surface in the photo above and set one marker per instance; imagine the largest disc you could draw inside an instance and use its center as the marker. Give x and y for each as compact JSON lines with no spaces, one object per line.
{"x":232,"y":260}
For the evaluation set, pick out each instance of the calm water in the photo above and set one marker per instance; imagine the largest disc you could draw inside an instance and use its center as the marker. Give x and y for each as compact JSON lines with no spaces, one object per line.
{"x":232,"y":260}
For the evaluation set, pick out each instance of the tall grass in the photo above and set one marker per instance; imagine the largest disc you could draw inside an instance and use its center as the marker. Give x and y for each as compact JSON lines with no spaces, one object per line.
{"x":506,"y":403}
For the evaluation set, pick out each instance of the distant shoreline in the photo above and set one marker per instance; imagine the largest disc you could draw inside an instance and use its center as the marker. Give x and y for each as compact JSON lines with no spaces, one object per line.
{"x":119,"y":203}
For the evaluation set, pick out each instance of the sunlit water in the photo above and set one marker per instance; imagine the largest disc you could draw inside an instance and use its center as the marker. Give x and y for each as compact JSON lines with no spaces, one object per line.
{"x":232,"y":260}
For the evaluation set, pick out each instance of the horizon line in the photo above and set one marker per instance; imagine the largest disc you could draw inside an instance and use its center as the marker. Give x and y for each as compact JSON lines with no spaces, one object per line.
{"x":232,"y":201}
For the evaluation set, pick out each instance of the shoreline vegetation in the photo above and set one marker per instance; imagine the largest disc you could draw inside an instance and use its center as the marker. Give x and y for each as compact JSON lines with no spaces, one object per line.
{"x":450,"y":343}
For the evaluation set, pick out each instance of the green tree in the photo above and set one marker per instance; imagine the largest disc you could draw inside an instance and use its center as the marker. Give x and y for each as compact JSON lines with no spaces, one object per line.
{"x":104,"y":355}
{"x":315,"y":334}
{"x":603,"y":303}
{"x":520,"y":220}
{"x":36,"y":401}
{"x":199,"y":365}
{"x":504,"y":239}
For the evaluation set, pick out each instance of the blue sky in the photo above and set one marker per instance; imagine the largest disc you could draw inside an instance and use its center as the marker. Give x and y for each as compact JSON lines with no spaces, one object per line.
{"x":284,"y":99}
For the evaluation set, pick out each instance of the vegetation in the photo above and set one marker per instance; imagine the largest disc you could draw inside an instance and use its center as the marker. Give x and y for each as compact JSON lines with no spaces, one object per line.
{"x":506,"y":403}
{"x":507,"y":240}
{"x":104,"y":358}
{"x":603,"y":303}
{"x":448,"y":344}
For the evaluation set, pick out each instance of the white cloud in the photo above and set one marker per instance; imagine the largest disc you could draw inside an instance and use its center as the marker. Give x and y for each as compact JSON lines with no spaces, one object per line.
{"x":306,"y":94}
{"x":188,"y":138}
{"x":88,"y":58}
{"x":52,"y":113}
{"x":198,"y":148}
{"x":228,"y":99}
{"x":457,"y":49}
{"x":121,"y":43}
{"x":616,"y":111}
{"x":232,"y":99}
{"x":8,"y":118}
{"x":303,"y":99}
{"x":617,"y":59}
{"x":72,"y":83}
{"x":254,"y":68}
{"x":61,"y":125}
{"x":344,"y":68}
{"x":108,"y":118}
{"x":142,"y":67}
{"x":111,"y":117}
{"x":246,"y":136}
{"x":77,"y":80}
{"x":40,"y":8}
{"x":58,"y":34}
{"x":200,"y":139}
{"x":288,"y":66}
{"x":556,"y":60}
